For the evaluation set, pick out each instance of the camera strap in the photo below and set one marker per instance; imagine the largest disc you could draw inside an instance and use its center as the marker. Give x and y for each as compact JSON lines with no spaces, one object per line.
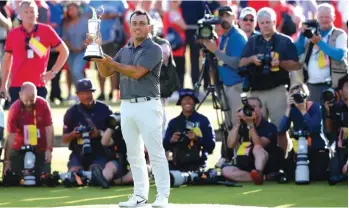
{"x":86,"y":116}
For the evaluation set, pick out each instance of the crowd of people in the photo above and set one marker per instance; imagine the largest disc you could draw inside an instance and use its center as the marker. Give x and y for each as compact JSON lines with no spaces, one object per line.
{"x":281,"y":72}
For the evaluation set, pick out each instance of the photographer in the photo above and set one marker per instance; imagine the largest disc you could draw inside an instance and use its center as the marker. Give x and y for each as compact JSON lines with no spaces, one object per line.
{"x":255,"y":138}
{"x":29,"y":122}
{"x":84,"y":124}
{"x":116,"y":167}
{"x":324,"y":52}
{"x":336,"y":124}
{"x":307,"y":116}
{"x":267,"y":58}
{"x":228,"y":54}
{"x":189,"y":136}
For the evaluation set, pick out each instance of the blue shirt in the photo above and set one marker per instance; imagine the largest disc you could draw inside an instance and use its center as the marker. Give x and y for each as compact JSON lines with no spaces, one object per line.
{"x":107,"y":29}
{"x":75,"y":34}
{"x":57,"y":15}
{"x":178,"y":124}
{"x":74,"y":118}
{"x":311,"y":122}
{"x":234,"y":47}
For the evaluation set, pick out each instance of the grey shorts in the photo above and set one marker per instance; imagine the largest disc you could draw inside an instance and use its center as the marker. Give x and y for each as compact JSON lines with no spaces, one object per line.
{"x":119,"y":171}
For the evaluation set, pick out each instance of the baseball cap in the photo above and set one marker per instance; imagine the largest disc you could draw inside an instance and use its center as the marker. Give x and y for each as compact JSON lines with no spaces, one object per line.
{"x":247,"y":11}
{"x":186,"y":92}
{"x":227,"y":9}
{"x":84,"y":85}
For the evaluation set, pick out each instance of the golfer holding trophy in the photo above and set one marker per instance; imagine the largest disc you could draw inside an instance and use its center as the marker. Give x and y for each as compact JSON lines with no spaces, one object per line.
{"x":139,"y":64}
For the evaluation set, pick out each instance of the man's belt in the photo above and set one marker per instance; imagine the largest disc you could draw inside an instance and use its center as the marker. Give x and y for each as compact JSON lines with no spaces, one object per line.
{"x":141,"y":99}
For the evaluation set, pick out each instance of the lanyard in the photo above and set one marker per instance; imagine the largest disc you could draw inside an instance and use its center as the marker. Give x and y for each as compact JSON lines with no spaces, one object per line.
{"x":225,"y":44}
{"x":34,"y":115}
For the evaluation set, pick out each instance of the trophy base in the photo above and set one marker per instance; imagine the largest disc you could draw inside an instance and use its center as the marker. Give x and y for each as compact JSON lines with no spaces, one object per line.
{"x":93,"y":51}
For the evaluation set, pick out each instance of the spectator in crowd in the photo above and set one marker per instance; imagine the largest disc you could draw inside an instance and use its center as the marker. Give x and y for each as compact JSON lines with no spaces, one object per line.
{"x":324,"y":55}
{"x":248,"y":21}
{"x":191,"y":17}
{"x":256,"y":140}
{"x":27,"y":51}
{"x":189,"y":136}
{"x":43,"y":11}
{"x":5,"y":26}
{"x":56,"y":22}
{"x":89,"y":113}
{"x":174,"y":31}
{"x":336,"y":124}
{"x":27,"y":114}
{"x":149,"y":6}
{"x":74,"y":34}
{"x":268,"y":57}
{"x":308,"y":8}
{"x":307,"y":116}
{"x":113,"y":10}
{"x":231,"y":45}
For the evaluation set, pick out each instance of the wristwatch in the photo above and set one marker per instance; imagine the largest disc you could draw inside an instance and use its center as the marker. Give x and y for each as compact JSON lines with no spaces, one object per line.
{"x":250,"y":126}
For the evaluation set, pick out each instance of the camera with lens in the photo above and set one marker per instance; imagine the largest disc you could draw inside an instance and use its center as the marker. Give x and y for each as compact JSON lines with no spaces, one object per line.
{"x":313,"y":28}
{"x":189,"y":126}
{"x":85,"y":132}
{"x":29,"y":165}
{"x":299,"y":97}
{"x":113,"y":121}
{"x":330,"y":95}
{"x":206,"y":27}
{"x":247,"y":110}
{"x":266,"y":62}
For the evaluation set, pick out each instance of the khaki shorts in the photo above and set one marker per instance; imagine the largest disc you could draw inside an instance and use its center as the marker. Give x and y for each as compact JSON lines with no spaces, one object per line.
{"x":274,"y":103}
{"x":233,"y":100}
{"x":17,"y":162}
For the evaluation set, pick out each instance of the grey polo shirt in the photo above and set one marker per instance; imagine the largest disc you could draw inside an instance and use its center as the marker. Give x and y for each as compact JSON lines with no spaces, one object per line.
{"x":147,"y":55}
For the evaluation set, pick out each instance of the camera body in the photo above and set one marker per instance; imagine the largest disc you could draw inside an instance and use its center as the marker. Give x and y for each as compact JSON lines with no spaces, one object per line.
{"x":206,"y":27}
{"x":330,"y":95}
{"x":313,"y":28}
{"x":247,"y":110}
{"x":85,"y":132}
{"x":299,"y":97}
{"x":266,"y":62}
{"x":189,"y":126}
{"x":113,"y":121}
{"x":29,"y":164}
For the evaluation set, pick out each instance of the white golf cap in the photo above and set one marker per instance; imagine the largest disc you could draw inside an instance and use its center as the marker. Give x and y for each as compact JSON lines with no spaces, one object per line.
{"x":247,"y":11}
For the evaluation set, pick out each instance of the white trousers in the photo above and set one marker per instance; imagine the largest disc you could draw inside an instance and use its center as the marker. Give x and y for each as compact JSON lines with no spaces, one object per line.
{"x":141,"y":124}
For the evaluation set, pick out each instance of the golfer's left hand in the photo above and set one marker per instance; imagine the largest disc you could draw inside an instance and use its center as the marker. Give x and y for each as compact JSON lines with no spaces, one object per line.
{"x":105,"y":60}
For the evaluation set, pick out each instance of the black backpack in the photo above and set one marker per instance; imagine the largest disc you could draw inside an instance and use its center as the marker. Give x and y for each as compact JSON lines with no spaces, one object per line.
{"x":288,"y":26}
{"x":169,"y":80}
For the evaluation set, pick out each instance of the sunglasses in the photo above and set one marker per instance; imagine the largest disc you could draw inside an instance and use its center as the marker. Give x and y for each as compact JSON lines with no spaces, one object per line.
{"x":247,"y":19}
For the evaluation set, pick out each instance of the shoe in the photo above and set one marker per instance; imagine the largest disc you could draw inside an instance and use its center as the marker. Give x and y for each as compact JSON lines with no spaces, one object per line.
{"x":101,"y":97}
{"x":257,"y":177}
{"x":110,"y":96}
{"x":160,"y":201}
{"x":220,"y":162}
{"x":133,"y":201}
{"x":97,"y":176}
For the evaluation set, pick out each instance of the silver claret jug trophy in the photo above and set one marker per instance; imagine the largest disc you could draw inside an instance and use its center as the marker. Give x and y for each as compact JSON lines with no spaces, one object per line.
{"x":93,"y":50}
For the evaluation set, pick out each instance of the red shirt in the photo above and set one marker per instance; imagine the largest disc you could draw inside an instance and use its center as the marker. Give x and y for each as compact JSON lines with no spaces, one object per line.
{"x":18,"y":117}
{"x":24,"y":69}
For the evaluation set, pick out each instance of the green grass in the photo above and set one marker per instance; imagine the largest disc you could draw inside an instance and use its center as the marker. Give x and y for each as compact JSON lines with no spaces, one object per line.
{"x":269,"y":195}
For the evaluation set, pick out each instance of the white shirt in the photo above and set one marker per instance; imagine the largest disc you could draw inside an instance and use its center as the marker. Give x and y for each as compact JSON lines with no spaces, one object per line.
{"x":317,"y":75}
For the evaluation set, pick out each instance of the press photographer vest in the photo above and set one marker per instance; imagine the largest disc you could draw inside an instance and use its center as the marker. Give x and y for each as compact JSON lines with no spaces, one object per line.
{"x":337,"y":68}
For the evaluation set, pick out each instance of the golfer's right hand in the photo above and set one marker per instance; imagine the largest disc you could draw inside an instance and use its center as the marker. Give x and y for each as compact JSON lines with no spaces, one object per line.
{"x":89,"y":39}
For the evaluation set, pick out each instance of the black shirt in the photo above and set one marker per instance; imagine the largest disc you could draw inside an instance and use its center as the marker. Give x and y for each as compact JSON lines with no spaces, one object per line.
{"x":339,"y":117}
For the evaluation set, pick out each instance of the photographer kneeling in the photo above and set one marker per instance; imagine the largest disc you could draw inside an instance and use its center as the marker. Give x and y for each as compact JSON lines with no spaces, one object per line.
{"x":30,"y":138}
{"x":336,"y":124}
{"x":256,"y":138}
{"x":84,"y":124}
{"x":189,"y":136}
{"x":116,"y":167}
{"x":306,"y":116}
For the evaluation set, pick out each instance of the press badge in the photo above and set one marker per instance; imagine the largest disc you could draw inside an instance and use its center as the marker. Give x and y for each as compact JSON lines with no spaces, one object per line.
{"x":80,"y":141}
{"x":31,"y":135}
{"x":30,"y":53}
